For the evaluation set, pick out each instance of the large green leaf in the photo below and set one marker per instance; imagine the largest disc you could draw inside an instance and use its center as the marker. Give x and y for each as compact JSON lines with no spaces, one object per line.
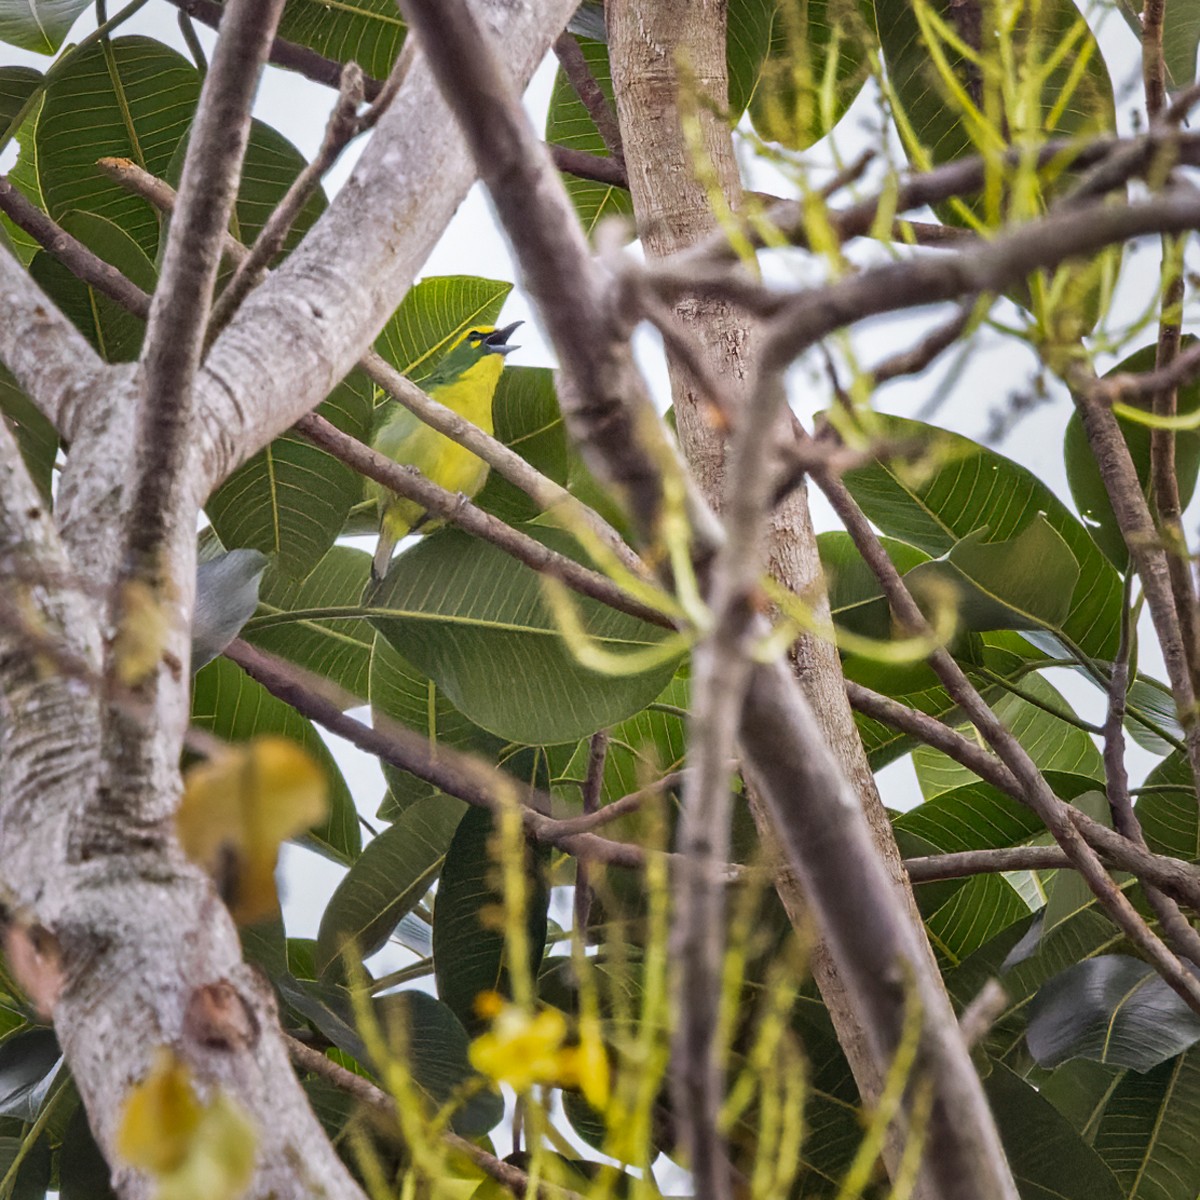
{"x":468,"y":946}
{"x":368,"y":32}
{"x":527,"y":419}
{"x":477,"y":622}
{"x":1052,"y":743}
{"x":1087,"y":488}
{"x":568,"y":123}
{"x":1169,"y":815}
{"x":33,"y":1175}
{"x":114,"y":331}
{"x":434,"y":314}
{"x":1147,"y":1135}
{"x":401,"y":692}
{"x":965,"y":487}
{"x":26,"y":1062}
{"x":944,"y":119}
{"x":227,"y":702}
{"x":816,"y":65}
{"x":337,"y":649}
{"x":976,"y":911}
{"x":1113,"y":1009}
{"x":292,"y":499}
{"x":1181,"y":37}
{"x":748,"y":37}
{"x":856,"y":599}
{"x":17,"y":84}
{"x":129,"y":98}
{"x":1049,"y":1160}
{"x":38,"y":25}
{"x":26,"y":178}
{"x":82,"y":1172}
{"x":36,"y":437}
{"x":391,"y":875}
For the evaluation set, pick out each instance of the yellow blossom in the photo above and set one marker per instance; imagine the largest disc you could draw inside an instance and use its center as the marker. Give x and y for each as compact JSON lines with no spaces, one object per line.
{"x":523,"y":1048}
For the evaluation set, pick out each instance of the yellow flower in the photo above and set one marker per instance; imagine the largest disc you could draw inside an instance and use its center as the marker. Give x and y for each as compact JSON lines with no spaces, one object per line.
{"x":524,"y":1048}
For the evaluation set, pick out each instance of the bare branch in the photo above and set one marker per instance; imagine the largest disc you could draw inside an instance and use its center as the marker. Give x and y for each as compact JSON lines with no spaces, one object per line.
{"x":362,"y":1089}
{"x":71,"y":252}
{"x":408,"y":482}
{"x":932,"y":867}
{"x":593,"y":785}
{"x":51,"y":360}
{"x":458,"y":774}
{"x":576,"y":69}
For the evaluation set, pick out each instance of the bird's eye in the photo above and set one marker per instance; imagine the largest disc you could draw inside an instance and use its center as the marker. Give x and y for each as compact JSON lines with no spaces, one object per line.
{"x":475,"y":336}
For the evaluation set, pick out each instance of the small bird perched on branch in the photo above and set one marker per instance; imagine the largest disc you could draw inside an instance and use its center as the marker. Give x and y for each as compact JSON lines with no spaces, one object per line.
{"x":465,"y":381}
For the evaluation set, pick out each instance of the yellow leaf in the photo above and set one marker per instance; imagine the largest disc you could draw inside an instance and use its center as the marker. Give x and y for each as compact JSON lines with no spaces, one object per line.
{"x":194,"y":1151}
{"x":236,"y":810}
{"x":141,"y":635}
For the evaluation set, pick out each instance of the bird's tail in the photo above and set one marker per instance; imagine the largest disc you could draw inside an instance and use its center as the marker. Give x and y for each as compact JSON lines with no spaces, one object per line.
{"x":383,"y":553}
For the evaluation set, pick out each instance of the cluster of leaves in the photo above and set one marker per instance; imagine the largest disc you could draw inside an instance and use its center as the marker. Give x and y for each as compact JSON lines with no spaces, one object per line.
{"x":1091,"y":1068}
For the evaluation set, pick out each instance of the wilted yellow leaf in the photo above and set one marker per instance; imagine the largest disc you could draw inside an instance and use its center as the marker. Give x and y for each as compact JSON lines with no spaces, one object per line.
{"x":141,"y":635}
{"x":238,"y":807}
{"x":194,"y":1150}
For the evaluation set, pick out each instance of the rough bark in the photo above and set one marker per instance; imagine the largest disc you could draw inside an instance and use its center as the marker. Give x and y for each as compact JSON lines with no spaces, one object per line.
{"x":647,"y":43}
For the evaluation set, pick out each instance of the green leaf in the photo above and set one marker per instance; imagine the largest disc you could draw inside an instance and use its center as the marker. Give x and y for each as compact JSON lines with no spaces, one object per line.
{"x":477,"y":622}
{"x":1083,"y":476}
{"x":33,"y":1175}
{"x":973,"y":915}
{"x":468,"y":946}
{"x":943,"y":121}
{"x":1049,"y":1160}
{"x":339,"y":650}
{"x":433,"y":316}
{"x":17,"y":84}
{"x":963,"y":487}
{"x":1079,"y":1090}
{"x":748,"y":37}
{"x":1147,"y":1135}
{"x":391,"y":875}
{"x":82,"y":1172}
{"x":36,"y":437}
{"x":265,"y":944}
{"x":38,"y":25}
{"x":401,"y":692}
{"x":435,"y":1043}
{"x":1169,"y":815}
{"x":812,"y":42}
{"x":1112,"y":1009}
{"x":1181,"y":37}
{"x":527,"y":419}
{"x":1051,"y":742}
{"x":114,"y":331}
{"x":1023,"y":583}
{"x":1154,"y":700}
{"x":227,"y":702}
{"x":292,"y":499}
{"x":129,"y":98}
{"x":269,"y":169}
{"x":856,"y":599}
{"x":25,"y":177}
{"x":369,"y":32}
{"x":26,"y":1063}
{"x":568,"y":123}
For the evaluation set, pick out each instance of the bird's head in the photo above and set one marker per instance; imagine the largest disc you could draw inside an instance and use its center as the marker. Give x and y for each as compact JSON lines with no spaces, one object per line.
{"x":481,"y":344}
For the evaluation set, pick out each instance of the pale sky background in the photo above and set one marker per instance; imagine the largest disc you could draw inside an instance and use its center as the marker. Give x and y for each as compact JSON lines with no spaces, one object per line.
{"x":472,"y":244}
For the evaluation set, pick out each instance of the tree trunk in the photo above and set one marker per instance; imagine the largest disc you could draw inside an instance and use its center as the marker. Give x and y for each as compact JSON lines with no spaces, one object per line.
{"x":655,"y":49}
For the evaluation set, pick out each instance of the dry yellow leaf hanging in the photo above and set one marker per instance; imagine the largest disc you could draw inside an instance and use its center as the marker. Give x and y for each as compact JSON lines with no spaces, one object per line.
{"x":239,"y":806}
{"x":195,"y":1150}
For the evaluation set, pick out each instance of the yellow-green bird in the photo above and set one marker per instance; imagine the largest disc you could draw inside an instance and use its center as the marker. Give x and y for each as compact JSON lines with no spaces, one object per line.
{"x":465,"y":381}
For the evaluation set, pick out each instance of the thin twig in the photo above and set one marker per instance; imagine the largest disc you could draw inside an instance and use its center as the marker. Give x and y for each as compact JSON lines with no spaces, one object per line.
{"x":362,"y":1089}
{"x":1183,"y":368}
{"x":408,"y":482}
{"x":1154,"y":69}
{"x":983,"y":1012}
{"x":469,"y":778}
{"x":593,"y":785}
{"x":916,"y":359}
{"x":577,"y":71}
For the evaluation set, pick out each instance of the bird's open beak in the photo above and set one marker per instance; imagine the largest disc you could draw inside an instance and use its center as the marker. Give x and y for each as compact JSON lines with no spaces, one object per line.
{"x":497,"y":340}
